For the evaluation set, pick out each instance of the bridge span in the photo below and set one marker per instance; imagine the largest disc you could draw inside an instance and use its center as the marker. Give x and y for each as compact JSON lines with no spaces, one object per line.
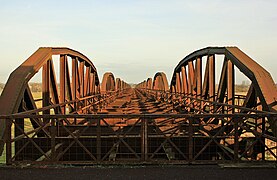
{"x":193,"y":119}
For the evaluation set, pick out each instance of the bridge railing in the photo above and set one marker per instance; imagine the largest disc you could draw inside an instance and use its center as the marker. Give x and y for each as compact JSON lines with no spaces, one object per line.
{"x":87,"y":104}
{"x":140,"y":138}
{"x":193,"y":103}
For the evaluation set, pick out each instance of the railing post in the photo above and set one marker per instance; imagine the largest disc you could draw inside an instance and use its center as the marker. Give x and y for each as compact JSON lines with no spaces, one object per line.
{"x":99,"y":102}
{"x":144,"y":139}
{"x":236,"y":140}
{"x":190,"y":140}
{"x":263,"y":139}
{"x":8,"y":141}
{"x":75,"y":109}
{"x":53,"y":140}
{"x":98,"y":140}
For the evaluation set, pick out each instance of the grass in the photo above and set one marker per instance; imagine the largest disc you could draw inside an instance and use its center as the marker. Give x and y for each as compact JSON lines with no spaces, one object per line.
{"x":3,"y":157}
{"x":28,"y":127}
{"x":37,"y":95}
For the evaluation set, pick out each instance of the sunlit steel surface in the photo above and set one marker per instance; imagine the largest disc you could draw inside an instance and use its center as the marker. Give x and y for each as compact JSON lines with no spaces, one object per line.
{"x":189,"y":121}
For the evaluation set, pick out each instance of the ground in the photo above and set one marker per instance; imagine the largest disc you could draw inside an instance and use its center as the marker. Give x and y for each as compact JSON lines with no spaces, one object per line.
{"x":137,"y":172}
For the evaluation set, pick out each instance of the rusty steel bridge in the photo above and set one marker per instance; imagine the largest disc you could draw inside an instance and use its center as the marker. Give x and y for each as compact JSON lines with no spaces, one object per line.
{"x":193,"y":119}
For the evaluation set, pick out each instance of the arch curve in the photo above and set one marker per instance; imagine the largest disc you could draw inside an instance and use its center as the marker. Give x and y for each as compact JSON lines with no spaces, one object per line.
{"x":80,"y":81}
{"x":149,"y":83}
{"x":160,"y":82}
{"x":108,"y":82}
{"x":191,"y":79}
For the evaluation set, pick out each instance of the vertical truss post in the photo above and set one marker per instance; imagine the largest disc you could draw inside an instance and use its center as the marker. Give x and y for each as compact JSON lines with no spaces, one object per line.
{"x":86,"y":87}
{"x":211,"y":59}
{"x":199,"y":80}
{"x":62,"y":82}
{"x":222,"y":86}
{"x":46,"y":88}
{"x":81,"y":74}
{"x":190,"y":77}
{"x":185,"y":82}
{"x":178,"y":83}
{"x":230,"y":86}
{"x":68,"y":84}
{"x":205,"y":87}
{"x":81,"y":85}
{"x":93,"y":88}
{"x":74,"y":84}
{"x":87,"y":81}
{"x":54,"y":87}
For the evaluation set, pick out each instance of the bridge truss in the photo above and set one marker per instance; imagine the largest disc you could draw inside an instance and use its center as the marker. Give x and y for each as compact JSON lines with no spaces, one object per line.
{"x":191,"y":120}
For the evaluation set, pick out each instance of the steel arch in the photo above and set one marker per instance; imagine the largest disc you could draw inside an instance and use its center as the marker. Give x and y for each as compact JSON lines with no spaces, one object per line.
{"x":82,"y":82}
{"x":187,"y":79}
{"x":160,"y":82}
{"x":108,"y":82}
{"x":192,"y":122}
{"x":149,"y":83}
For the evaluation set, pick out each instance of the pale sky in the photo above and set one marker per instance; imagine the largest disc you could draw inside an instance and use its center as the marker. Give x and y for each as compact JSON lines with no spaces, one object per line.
{"x":136,"y":38}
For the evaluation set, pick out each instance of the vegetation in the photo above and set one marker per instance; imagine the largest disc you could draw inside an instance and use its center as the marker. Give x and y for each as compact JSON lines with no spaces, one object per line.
{"x":35,"y":87}
{"x":1,"y":87}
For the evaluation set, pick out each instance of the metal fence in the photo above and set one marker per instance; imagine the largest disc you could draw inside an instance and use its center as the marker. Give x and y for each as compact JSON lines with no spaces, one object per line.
{"x":139,"y":138}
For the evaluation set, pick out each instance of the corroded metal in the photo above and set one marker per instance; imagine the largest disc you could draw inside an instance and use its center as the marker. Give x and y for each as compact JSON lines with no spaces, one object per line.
{"x":17,"y":84}
{"x":189,"y":121}
{"x":262,"y":83}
